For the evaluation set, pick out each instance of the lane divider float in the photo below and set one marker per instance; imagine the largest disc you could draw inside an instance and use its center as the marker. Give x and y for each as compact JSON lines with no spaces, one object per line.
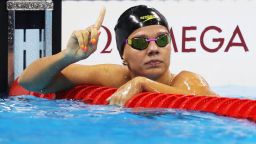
{"x":91,"y":94}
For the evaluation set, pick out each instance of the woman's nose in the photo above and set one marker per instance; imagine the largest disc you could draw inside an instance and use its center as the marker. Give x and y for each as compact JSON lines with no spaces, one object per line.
{"x":152,"y":48}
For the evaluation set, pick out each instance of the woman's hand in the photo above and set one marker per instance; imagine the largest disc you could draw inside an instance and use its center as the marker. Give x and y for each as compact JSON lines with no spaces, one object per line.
{"x":127,"y":91}
{"x":83,"y":43}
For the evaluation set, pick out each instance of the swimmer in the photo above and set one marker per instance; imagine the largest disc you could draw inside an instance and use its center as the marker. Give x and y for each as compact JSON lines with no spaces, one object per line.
{"x":143,"y":42}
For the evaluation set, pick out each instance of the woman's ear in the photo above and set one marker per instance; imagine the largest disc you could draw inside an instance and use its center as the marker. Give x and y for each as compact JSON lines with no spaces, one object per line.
{"x":124,"y":59}
{"x":124,"y":62}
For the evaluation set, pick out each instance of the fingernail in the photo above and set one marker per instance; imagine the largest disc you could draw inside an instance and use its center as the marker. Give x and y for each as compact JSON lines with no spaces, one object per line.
{"x":99,"y":33}
{"x":93,"y":41}
{"x":85,"y":49}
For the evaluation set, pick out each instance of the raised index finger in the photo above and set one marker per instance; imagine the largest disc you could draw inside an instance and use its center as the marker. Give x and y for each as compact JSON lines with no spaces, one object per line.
{"x":100,"y":18}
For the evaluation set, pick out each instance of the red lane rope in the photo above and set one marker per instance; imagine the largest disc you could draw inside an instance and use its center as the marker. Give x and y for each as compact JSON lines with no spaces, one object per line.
{"x":90,"y":94}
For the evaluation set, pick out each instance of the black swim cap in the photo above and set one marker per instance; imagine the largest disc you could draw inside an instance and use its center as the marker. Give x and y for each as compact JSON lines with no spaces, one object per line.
{"x":134,"y":18}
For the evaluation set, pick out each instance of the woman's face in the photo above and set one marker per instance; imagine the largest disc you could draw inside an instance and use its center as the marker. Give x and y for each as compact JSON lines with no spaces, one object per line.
{"x":153,"y":61}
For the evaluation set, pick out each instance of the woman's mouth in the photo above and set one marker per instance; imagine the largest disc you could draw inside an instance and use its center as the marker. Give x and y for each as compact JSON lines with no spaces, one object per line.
{"x":154,"y":63}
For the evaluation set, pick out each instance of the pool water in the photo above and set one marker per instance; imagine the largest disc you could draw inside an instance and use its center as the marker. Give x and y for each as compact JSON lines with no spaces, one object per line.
{"x":32,"y":120}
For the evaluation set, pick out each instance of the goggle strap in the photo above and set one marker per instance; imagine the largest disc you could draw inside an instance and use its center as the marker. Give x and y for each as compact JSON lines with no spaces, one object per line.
{"x":169,"y":38}
{"x":129,"y":41}
{"x":151,"y":39}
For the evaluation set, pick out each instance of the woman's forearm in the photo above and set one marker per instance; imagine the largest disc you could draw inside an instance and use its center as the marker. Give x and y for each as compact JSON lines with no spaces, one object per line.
{"x":41,"y":73}
{"x":137,"y":85}
{"x":153,"y":86}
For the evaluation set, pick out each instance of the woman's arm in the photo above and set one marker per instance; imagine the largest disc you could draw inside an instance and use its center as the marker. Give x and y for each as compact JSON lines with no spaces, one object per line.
{"x":137,"y":85}
{"x":184,"y":83}
{"x":103,"y":74}
{"x":38,"y":75}
{"x":48,"y":71}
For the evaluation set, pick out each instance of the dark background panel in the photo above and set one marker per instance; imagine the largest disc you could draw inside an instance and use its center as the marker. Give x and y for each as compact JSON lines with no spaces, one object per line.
{"x":56,"y":27}
{"x":3,"y":47}
{"x":29,"y":19}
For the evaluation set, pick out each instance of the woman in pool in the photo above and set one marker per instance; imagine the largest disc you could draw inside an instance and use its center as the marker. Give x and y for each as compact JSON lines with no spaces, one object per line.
{"x":143,"y":41}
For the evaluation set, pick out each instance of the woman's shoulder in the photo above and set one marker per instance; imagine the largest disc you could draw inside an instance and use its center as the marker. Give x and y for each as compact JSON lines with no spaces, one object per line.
{"x":114,"y":68}
{"x":190,"y":77}
{"x":106,"y":67}
{"x":117,"y":74}
{"x":112,"y":75}
{"x":192,"y":82}
{"x":186,"y":73}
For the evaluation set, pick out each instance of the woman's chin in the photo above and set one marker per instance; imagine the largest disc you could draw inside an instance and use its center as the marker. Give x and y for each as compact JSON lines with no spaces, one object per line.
{"x":154,"y":73}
